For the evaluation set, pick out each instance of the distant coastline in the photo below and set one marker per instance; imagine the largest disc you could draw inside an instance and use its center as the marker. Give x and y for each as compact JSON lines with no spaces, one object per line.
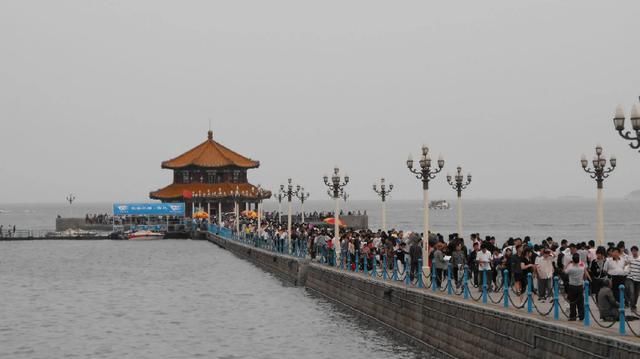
{"x":635,"y":195}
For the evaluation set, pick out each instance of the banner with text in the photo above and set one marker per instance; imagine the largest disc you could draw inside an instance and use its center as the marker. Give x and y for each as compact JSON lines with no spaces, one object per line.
{"x":148,"y":209}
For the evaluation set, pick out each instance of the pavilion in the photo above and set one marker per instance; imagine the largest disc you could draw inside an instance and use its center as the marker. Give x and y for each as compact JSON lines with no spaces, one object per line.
{"x":212,"y":178}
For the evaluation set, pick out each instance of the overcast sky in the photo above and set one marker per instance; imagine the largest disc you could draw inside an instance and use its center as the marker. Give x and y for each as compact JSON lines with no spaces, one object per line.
{"x":95,"y":94}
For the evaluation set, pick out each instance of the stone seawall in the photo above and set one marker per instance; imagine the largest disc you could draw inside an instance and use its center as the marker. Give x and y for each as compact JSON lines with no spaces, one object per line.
{"x":448,"y":326}
{"x":62,"y":224}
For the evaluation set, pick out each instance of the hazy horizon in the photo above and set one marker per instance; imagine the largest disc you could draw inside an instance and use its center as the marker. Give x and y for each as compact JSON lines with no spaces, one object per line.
{"x":95,"y":95}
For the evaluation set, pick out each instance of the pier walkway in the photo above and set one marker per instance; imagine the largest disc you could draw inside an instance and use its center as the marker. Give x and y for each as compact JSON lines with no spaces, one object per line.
{"x":503,"y":300}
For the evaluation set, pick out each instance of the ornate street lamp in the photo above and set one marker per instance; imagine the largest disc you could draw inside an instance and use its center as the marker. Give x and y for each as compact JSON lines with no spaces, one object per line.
{"x":289,"y":193}
{"x":336,"y":190}
{"x":618,"y":122}
{"x":220,"y":195}
{"x":458,"y":184}
{"x":384,"y":192}
{"x":71,"y":198}
{"x":236,"y":208}
{"x":302,"y":196}
{"x":260,"y":195}
{"x":425,"y":173}
{"x":599,"y":172}
{"x":279,"y":197}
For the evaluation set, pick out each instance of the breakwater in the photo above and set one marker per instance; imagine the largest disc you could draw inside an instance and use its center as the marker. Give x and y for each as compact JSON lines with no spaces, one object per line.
{"x":447,"y":325}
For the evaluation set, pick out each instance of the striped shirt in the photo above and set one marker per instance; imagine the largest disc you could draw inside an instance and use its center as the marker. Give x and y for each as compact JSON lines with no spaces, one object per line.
{"x":634,"y":269}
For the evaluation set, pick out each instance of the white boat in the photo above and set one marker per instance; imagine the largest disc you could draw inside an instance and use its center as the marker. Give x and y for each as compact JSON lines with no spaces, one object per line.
{"x":442,"y":204}
{"x":144,"y":236}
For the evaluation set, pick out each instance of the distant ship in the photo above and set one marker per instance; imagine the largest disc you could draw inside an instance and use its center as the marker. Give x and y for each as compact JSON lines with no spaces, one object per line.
{"x":442,"y":204}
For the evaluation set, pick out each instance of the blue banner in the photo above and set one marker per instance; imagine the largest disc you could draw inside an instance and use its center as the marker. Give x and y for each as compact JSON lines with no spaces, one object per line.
{"x":149,"y":209}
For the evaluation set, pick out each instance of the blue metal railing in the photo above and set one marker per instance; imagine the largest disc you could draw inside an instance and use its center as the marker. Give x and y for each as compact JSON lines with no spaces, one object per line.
{"x":379,"y":268}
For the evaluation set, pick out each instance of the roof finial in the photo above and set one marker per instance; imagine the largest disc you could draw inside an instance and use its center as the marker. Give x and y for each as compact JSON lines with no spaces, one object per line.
{"x":210,"y":132}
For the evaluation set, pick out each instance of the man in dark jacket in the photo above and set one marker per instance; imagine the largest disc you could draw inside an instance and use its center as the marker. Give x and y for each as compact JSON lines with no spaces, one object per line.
{"x":415,"y":251}
{"x":607,"y":303}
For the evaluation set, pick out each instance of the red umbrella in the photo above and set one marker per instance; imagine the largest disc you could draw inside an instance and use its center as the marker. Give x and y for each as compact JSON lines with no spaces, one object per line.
{"x":332,"y":220}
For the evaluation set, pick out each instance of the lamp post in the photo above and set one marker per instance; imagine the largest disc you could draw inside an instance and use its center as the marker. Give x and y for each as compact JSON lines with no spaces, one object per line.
{"x":618,"y":122}
{"x":220,"y":196}
{"x":425,"y":173}
{"x":71,"y":198}
{"x":383,"y":192}
{"x":260,"y":194}
{"x":336,"y":190}
{"x":236,"y":208}
{"x":599,"y":172}
{"x":289,"y":193}
{"x":458,"y":184}
{"x":302,"y":196}
{"x":279,"y":197}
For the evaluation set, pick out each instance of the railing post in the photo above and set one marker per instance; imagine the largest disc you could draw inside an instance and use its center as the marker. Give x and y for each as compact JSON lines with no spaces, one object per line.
{"x":374,"y":273}
{"x":484,"y":287}
{"x":394,"y":276}
{"x":357,"y":260}
{"x":587,"y":314}
{"x":449,"y":289}
{"x":348,"y":261}
{"x":622,"y":318}
{"x":366,"y":270}
{"x":407,"y":275}
{"x":556,"y":295}
{"x":505,"y":287}
{"x":529,"y":297}
{"x":465,"y":280}
{"x":434,"y":282}
{"x":384,"y":268}
{"x":420,"y":283}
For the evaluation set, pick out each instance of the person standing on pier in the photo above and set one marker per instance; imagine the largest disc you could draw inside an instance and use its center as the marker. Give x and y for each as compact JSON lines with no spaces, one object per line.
{"x":544,"y":270}
{"x":633,"y":280}
{"x":616,"y":268}
{"x":484,"y":258}
{"x":415,"y":252}
{"x":576,"y":272}
{"x":458,"y":260}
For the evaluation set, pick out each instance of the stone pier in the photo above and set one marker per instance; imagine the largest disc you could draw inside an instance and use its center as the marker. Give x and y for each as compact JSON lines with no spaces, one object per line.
{"x":447,"y":326}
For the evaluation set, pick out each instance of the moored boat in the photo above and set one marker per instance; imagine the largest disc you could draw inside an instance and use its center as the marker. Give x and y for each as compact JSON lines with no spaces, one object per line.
{"x":144,"y":235}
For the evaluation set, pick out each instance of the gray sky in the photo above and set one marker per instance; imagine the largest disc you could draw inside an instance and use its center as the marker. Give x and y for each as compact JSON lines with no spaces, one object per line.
{"x":95,"y":94}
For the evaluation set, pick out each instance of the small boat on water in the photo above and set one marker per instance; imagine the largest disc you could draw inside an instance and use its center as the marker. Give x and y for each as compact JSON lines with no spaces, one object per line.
{"x":442,"y":204}
{"x":144,"y":236}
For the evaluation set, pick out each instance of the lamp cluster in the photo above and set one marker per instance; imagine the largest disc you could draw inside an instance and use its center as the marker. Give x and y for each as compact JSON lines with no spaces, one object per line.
{"x":336,"y":185}
{"x":634,"y":118}
{"x":425,"y":173}
{"x":599,"y":170}
{"x":457,"y":182}
{"x":383,"y":192}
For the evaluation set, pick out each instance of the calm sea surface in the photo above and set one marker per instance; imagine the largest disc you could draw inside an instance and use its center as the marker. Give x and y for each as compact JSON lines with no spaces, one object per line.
{"x":167,"y":299}
{"x":570,"y":219}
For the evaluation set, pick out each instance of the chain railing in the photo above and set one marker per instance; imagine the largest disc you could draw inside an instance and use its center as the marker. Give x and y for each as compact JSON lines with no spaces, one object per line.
{"x":413,"y":275}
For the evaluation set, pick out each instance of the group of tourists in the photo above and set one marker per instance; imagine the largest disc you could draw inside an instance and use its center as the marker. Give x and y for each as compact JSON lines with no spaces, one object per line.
{"x":486,"y":262}
{"x":98,"y":219}
{"x":8,"y":232}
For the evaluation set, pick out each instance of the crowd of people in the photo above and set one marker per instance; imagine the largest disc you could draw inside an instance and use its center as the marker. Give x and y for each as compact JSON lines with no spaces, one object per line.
{"x":98,"y":219}
{"x":487,"y":262}
{"x":8,"y":231}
